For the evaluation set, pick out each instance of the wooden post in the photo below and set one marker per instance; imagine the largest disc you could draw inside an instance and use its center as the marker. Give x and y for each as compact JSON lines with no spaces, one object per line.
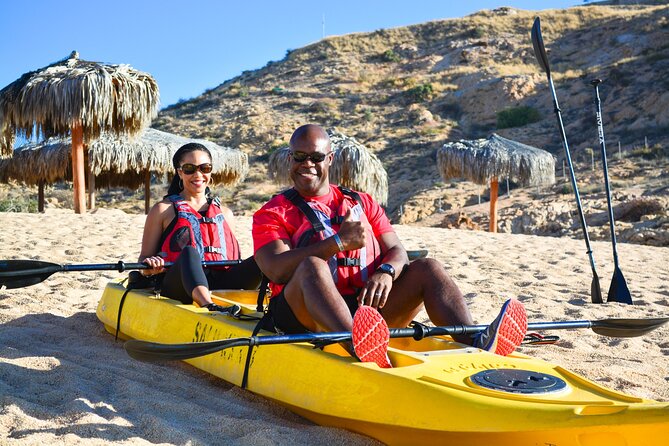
{"x":493,"y":204}
{"x":90,"y":184}
{"x":147,"y":191}
{"x":78,"y":178}
{"x":40,"y":196}
{"x":91,"y":190}
{"x":564,"y":170}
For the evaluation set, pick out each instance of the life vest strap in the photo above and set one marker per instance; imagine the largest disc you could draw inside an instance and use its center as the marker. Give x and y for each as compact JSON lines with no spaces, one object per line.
{"x":212,"y":249}
{"x":297,"y":200}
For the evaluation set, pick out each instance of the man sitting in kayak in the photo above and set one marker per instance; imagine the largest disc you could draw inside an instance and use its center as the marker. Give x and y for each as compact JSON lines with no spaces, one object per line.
{"x":189,"y":226}
{"x":327,"y":251}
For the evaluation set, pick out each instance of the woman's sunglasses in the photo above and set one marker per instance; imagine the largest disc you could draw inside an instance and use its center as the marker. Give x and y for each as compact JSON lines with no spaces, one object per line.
{"x":190,"y":169}
{"x":316,"y":157}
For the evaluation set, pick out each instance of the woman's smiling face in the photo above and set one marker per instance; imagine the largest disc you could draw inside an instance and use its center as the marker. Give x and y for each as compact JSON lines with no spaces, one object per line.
{"x":197,"y":182}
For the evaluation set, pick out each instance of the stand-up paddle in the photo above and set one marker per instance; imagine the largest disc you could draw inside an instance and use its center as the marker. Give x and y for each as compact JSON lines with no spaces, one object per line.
{"x":152,"y":351}
{"x":22,"y":273}
{"x":542,"y":58}
{"x":618,"y":291}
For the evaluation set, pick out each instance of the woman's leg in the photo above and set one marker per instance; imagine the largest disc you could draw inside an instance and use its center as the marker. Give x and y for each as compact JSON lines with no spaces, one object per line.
{"x":185,"y":280}
{"x":245,"y":276}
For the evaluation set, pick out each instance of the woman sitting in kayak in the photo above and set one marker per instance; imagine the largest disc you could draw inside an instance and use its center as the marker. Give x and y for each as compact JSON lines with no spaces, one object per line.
{"x":189,"y":226}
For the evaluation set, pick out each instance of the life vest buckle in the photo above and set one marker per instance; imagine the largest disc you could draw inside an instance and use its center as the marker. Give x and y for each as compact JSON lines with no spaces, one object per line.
{"x":348,"y":261}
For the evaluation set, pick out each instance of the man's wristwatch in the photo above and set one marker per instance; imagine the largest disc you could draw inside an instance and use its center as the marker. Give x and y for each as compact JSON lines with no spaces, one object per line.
{"x":387,"y":268}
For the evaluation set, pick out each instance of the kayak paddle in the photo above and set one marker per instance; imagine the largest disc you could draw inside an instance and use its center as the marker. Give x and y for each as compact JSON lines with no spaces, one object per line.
{"x":618,"y":291}
{"x":153,"y":351}
{"x":22,"y":273}
{"x":542,"y":58}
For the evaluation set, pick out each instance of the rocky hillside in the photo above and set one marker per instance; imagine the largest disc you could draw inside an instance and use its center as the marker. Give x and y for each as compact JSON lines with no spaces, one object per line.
{"x":403,"y":92}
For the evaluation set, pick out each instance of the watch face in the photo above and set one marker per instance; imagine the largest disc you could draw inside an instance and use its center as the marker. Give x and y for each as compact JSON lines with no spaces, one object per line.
{"x":388,"y":269}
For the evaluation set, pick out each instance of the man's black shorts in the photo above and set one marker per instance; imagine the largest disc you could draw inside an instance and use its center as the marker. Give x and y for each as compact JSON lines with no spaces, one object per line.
{"x":284,"y":319}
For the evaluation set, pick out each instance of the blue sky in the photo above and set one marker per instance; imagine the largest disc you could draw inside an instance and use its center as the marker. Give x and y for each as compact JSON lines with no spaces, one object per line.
{"x":193,"y":45}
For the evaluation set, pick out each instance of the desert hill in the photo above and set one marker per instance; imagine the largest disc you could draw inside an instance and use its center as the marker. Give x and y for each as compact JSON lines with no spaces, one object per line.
{"x":403,"y":92}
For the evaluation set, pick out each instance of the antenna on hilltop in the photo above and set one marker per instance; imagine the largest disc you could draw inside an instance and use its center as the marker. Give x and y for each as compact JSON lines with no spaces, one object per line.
{"x":323,"y":25}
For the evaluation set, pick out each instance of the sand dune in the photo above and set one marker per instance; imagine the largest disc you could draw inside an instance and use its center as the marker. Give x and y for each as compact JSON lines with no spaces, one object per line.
{"x":64,"y":380}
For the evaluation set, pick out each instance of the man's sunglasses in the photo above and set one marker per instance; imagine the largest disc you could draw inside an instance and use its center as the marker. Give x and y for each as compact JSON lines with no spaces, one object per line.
{"x":316,"y":157}
{"x":190,"y":169}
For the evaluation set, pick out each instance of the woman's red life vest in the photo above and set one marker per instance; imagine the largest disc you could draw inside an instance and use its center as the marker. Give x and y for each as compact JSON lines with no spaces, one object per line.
{"x":350,"y":269}
{"x":209,"y":234}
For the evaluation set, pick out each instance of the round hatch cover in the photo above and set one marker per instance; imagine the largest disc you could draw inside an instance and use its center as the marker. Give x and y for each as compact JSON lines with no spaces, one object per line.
{"x":518,"y":381}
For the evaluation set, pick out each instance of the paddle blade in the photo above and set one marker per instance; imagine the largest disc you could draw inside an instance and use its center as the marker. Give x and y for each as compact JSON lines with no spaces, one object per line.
{"x":22,"y":273}
{"x":417,"y":254}
{"x":595,"y":289}
{"x":618,"y":291}
{"x":539,"y":49}
{"x":627,"y":328}
{"x":153,"y":351}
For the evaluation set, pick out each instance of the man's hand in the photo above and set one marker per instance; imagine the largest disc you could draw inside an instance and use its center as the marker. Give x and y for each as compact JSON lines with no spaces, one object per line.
{"x":351,"y":233}
{"x":376,"y":290}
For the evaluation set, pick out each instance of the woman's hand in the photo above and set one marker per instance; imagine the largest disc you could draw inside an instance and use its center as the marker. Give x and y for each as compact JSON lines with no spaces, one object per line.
{"x":156,"y":263}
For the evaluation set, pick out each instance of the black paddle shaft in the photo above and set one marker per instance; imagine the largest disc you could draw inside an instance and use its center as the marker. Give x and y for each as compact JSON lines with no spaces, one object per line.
{"x":152,"y":351}
{"x":618,"y":291}
{"x":605,"y":166}
{"x":542,"y":58}
{"x":22,"y":273}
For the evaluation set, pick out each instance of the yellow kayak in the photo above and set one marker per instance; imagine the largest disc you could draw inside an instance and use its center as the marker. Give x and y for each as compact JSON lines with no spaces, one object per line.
{"x":438,"y":391}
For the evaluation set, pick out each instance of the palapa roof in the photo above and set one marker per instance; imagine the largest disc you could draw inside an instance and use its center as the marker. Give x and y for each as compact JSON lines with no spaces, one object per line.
{"x":483,"y":159}
{"x":102,"y":97}
{"x":118,"y":160}
{"x":353,"y":166}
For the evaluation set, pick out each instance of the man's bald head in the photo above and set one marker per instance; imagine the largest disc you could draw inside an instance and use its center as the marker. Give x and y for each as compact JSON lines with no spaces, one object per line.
{"x":310,"y":135}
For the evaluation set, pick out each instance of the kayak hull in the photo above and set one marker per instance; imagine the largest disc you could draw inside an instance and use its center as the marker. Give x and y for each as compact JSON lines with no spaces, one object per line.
{"x":438,"y":390}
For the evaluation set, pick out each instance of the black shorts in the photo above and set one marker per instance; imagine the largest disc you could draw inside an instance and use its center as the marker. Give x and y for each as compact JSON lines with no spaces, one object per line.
{"x":284,"y":320}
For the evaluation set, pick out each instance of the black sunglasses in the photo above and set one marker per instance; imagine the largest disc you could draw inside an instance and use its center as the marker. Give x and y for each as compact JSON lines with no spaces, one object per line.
{"x":190,"y":169}
{"x":316,"y":157}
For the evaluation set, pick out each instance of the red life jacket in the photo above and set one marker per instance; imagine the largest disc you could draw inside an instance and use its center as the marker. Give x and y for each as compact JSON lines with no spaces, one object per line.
{"x":209,"y":234}
{"x":350,"y":269}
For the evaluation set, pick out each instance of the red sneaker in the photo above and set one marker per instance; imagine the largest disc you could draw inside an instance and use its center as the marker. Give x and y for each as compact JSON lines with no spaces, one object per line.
{"x":506,"y":332}
{"x":371,"y":337}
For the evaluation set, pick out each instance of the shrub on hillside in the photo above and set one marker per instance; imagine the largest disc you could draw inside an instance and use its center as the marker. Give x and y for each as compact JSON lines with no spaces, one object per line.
{"x":390,"y":56}
{"x":420,"y":93}
{"x":651,"y":152}
{"x":517,"y":117}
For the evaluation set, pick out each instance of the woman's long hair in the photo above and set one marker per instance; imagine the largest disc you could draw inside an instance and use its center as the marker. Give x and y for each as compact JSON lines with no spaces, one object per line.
{"x":176,"y":186}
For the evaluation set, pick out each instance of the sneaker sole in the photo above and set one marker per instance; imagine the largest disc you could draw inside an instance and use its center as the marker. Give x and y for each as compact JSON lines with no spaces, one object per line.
{"x":512,"y":328}
{"x":371,"y":336}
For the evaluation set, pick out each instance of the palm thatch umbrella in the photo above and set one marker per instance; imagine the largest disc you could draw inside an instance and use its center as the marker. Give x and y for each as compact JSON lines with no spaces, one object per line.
{"x":483,"y":161}
{"x":353,"y":166}
{"x":117,"y":161}
{"x":78,"y":98}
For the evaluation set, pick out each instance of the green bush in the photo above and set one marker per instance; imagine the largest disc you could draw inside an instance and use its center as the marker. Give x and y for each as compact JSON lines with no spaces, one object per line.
{"x":18,"y":205}
{"x":517,"y":117}
{"x":420,"y":93}
{"x":390,"y":56}
{"x":477,"y":32}
{"x":651,"y":152}
{"x":368,"y":115}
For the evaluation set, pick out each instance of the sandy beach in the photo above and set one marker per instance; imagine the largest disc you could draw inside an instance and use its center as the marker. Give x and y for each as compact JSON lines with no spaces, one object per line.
{"x":63,"y":379}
